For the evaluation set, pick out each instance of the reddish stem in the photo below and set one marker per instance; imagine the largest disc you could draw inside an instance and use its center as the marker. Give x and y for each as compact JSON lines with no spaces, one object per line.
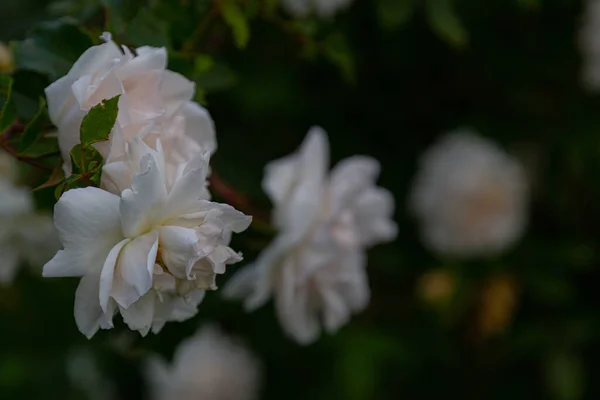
{"x":17,"y":126}
{"x":233,"y":197}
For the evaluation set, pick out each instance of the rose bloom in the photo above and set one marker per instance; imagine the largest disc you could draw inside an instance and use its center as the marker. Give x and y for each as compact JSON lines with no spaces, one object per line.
{"x":316,"y":266}
{"x":321,"y":8}
{"x":469,"y":196}
{"x":207,"y":366}
{"x":149,"y":93}
{"x":149,"y":252}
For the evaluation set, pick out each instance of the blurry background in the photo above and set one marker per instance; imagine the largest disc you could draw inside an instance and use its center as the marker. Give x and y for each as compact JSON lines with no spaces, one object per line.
{"x":385,"y":78}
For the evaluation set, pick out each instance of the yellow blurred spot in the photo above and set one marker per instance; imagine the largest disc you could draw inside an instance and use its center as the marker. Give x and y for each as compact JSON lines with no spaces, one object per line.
{"x":498,"y":302}
{"x":436,"y":287}
{"x":6,"y":59}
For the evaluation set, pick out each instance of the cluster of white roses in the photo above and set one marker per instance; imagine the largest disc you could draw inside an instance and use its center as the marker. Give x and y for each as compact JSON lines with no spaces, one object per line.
{"x":26,"y":236}
{"x":149,"y":242}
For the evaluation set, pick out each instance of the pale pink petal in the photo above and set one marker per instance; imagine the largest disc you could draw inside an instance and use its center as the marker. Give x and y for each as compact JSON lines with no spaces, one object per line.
{"x":140,"y":206}
{"x":199,"y":126}
{"x":59,"y":93}
{"x":175,"y":91}
{"x":187,"y":191}
{"x":116,"y":176}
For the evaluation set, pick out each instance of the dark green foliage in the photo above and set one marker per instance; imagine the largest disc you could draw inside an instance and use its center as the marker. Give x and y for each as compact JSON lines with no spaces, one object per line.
{"x":51,"y":48}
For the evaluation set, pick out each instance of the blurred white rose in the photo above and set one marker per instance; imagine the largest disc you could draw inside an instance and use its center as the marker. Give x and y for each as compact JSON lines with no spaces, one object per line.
{"x":207,"y":366}
{"x":315,"y":267}
{"x":321,"y":8}
{"x":85,"y":374}
{"x":149,"y":93}
{"x":26,"y":236}
{"x":470,"y":196}
{"x":589,"y":45}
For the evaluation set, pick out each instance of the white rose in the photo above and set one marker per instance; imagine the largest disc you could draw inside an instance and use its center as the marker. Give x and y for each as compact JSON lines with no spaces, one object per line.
{"x":154,"y":242}
{"x":149,"y":92}
{"x":469,"y":196}
{"x":315,"y":267}
{"x":208,"y":366}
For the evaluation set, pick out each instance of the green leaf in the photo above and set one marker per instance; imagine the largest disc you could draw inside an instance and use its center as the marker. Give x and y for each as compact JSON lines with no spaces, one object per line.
{"x":148,"y":30}
{"x":96,"y":176}
{"x":52,"y":47}
{"x":56,"y":177}
{"x":43,"y":147}
{"x":85,"y":159}
{"x":120,"y":14}
{"x":203,"y":63}
{"x":234,"y":17}
{"x":446,"y":23}
{"x":99,"y":121}
{"x":33,"y":132}
{"x":339,"y":53}
{"x":565,"y":376}
{"x":60,"y":189}
{"x":9,"y":111}
{"x":394,"y":13}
